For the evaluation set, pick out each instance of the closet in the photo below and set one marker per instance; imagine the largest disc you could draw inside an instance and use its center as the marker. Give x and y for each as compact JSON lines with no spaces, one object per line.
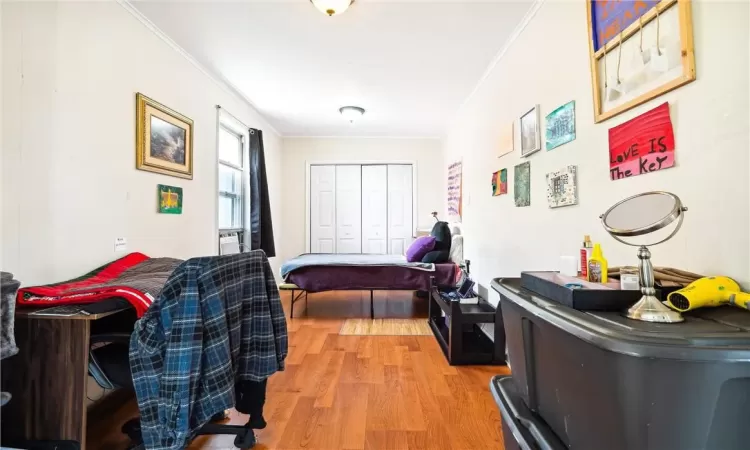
{"x":361,"y":208}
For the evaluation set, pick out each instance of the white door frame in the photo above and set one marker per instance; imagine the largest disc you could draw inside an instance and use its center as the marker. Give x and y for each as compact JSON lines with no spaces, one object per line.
{"x":414,"y":195}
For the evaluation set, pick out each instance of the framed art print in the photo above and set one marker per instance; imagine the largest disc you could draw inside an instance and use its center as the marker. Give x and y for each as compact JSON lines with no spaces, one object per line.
{"x":638,"y":51}
{"x":531,"y":136}
{"x":170,"y":199}
{"x":164,"y":139}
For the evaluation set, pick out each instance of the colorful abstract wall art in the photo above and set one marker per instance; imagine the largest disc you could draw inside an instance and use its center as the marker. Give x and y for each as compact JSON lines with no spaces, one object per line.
{"x":500,"y":182}
{"x":561,"y":125}
{"x":170,"y":199}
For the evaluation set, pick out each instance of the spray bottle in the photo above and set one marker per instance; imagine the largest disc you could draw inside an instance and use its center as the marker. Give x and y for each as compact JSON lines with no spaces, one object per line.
{"x":597,"y":270}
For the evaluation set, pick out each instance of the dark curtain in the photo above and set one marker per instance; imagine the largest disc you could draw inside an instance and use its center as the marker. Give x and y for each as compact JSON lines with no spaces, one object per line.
{"x":261,"y":227}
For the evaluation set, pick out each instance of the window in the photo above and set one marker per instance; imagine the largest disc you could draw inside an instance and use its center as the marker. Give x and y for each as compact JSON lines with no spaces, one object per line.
{"x":231,"y":169}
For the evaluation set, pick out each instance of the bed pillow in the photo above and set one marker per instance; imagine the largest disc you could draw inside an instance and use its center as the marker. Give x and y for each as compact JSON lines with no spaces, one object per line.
{"x":420,"y":247}
{"x":437,"y":257}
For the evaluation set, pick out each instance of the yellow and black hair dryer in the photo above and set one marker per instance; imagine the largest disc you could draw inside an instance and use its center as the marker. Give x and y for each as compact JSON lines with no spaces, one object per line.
{"x":708,"y":291}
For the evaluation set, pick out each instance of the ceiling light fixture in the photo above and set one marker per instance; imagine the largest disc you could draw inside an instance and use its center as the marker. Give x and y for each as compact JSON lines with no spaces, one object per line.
{"x":351,"y":113}
{"x":332,"y":7}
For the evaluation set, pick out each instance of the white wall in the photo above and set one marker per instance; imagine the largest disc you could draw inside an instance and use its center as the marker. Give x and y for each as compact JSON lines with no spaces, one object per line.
{"x":300,"y":151}
{"x":549,"y":64}
{"x":71,"y":71}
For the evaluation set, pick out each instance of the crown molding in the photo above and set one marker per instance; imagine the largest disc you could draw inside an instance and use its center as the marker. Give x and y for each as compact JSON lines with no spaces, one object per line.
{"x":219,"y":80}
{"x":340,"y":136}
{"x":501,"y":53}
{"x":228,"y":87}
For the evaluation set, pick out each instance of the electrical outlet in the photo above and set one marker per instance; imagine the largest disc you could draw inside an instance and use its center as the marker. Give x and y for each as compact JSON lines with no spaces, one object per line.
{"x":121,"y":244}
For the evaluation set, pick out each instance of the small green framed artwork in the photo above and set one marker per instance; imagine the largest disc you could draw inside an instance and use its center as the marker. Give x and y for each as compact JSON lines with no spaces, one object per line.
{"x":170,"y":199}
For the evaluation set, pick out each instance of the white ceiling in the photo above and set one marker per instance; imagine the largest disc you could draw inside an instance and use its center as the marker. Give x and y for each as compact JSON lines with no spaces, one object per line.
{"x":409,"y":64}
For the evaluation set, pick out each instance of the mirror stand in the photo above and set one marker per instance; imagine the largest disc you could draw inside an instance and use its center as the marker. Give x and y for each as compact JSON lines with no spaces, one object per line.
{"x":649,"y":308}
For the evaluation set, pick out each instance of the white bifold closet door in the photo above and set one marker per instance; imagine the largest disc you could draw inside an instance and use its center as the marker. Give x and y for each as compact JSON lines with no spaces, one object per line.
{"x":374,"y":209}
{"x":400,"y":230}
{"x":361,"y":208}
{"x":349,"y":209}
{"x":322,"y":209}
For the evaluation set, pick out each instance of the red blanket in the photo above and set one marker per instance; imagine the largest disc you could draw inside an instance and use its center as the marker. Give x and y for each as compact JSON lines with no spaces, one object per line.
{"x":135,"y":277}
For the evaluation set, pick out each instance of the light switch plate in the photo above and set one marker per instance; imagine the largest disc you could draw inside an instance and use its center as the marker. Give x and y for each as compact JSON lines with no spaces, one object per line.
{"x":121,"y":244}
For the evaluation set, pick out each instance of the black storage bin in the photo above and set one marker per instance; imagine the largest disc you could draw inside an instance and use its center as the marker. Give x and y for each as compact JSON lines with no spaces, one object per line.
{"x":602,"y":381}
{"x":522,"y":430}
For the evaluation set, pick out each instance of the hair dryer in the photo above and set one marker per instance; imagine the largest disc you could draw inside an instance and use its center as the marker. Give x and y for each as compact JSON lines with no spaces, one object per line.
{"x":708,"y":291}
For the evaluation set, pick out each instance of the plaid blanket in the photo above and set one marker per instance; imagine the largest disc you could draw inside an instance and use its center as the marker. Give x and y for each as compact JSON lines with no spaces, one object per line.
{"x":134,"y":277}
{"x":218,"y":321}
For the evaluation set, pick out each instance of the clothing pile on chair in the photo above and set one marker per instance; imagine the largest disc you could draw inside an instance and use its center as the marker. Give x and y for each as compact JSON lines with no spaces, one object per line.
{"x":208,"y":343}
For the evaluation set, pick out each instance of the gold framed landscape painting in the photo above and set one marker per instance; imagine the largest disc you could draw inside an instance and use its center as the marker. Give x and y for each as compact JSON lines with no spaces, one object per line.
{"x":164,"y":139}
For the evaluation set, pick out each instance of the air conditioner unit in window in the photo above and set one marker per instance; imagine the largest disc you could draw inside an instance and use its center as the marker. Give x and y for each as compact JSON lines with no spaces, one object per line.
{"x":229,"y":244}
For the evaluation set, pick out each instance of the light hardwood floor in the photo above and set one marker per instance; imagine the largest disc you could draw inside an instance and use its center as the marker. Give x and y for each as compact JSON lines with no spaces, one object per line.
{"x":360,"y":392}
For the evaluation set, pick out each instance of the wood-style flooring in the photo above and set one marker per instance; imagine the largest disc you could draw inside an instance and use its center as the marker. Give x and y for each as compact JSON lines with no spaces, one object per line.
{"x":359,"y":392}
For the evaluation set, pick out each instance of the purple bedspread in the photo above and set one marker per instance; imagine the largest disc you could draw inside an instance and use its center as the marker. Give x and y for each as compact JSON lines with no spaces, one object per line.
{"x":332,"y":278}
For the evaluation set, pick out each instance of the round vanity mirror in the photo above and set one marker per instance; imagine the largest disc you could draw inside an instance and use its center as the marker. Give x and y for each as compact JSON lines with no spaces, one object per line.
{"x":643,"y":220}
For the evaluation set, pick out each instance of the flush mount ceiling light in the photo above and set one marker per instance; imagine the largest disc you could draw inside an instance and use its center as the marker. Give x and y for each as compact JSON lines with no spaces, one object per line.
{"x":332,"y":7}
{"x":351,"y":113}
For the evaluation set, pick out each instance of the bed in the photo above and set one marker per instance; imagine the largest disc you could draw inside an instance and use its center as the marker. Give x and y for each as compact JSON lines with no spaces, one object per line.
{"x":362,"y":272}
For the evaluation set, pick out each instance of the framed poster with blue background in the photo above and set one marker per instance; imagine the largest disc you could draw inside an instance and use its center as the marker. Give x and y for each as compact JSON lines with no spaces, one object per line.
{"x":640,"y":49}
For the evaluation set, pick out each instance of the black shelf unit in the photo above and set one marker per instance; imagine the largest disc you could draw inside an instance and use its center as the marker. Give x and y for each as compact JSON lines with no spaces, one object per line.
{"x":460,"y":338}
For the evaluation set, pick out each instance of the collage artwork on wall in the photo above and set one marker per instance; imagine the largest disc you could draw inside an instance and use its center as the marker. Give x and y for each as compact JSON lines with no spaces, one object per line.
{"x":638,"y":51}
{"x":562,"y":189}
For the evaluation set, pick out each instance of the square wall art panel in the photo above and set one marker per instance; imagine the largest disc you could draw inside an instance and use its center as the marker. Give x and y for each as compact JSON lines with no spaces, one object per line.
{"x":500,"y":182}
{"x":562,"y":187}
{"x":561,"y":125}
{"x":522,"y":184}
{"x":170,"y":199}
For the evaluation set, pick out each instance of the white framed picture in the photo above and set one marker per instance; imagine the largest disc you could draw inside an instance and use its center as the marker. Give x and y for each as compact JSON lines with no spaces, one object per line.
{"x":531,"y":135}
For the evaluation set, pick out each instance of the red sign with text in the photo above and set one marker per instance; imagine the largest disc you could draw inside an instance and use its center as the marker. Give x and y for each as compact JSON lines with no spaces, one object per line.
{"x":642,"y":145}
